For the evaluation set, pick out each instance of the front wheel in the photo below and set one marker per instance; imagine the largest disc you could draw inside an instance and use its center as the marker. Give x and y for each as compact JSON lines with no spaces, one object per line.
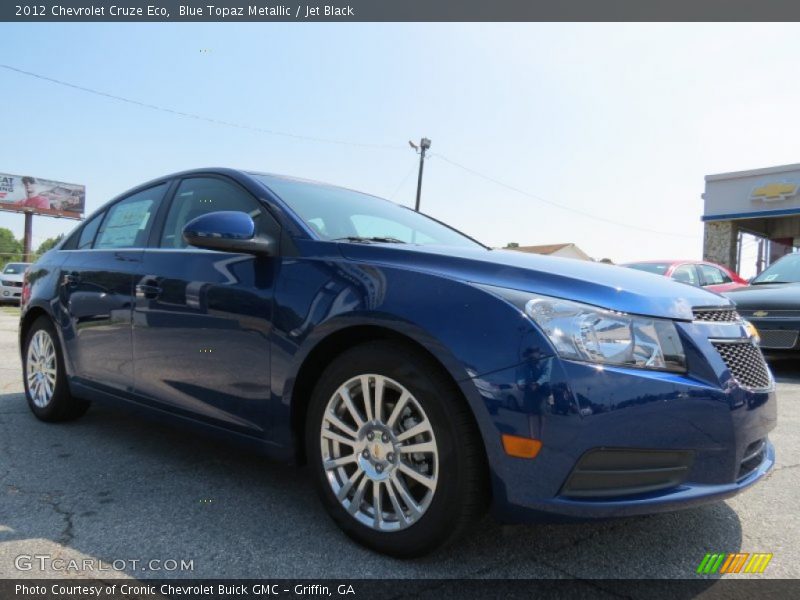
{"x":46,"y":385}
{"x":397,"y":458}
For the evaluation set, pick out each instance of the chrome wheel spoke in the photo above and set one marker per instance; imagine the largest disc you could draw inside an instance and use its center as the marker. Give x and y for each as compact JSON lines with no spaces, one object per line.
{"x":379,"y":384}
{"x":331,"y":435}
{"x":419,"y":428}
{"x":406,"y":497}
{"x":398,"y":408}
{"x":365,"y":396}
{"x":335,"y":463}
{"x":41,"y":368}
{"x":351,"y":408}
{"x":420,"y":448}
{"x":428,"y":482}
{"x":341,"y":425}
{"x":355,"y":503}
{"x":345,"y":489}
{"x":377,"y":502}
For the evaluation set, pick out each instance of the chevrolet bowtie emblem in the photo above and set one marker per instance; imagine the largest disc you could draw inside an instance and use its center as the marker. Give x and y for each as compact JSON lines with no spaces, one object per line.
{"x":760,"y":313}
{"x":774,"y":192}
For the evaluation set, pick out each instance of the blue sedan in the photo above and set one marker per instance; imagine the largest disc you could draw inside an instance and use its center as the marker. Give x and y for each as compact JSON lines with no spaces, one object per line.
{"x":421,"y":376}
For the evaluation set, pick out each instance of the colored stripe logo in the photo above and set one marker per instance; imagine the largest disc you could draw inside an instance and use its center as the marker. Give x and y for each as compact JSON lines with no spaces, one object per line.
{"x":735,"y":562}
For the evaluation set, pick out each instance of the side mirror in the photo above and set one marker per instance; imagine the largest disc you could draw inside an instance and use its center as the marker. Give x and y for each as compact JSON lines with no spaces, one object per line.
{"x":228,"y":231}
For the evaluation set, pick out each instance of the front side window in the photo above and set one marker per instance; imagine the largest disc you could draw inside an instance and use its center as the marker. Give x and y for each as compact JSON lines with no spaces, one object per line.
{"x":685,"y":274}
{"x":128,"y":221}
{"x":201,"y":195}
{"x":713,"y":276}
{"x":339,"y":214}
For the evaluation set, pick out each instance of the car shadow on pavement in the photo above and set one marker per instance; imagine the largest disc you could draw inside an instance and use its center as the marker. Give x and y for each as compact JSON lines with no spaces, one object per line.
{"x":116,"y":486}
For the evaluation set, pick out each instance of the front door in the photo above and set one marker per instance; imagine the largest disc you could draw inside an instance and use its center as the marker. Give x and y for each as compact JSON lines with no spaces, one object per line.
{"x":202,"y":318}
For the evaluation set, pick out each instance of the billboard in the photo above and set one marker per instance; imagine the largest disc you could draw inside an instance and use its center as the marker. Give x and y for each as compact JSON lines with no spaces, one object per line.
{"x":24,"y":193}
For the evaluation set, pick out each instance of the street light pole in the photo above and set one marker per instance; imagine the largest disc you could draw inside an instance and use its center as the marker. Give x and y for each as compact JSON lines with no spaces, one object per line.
{"x":424,"y":144}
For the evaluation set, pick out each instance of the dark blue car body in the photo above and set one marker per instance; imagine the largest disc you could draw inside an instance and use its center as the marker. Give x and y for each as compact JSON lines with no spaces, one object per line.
{"x":235,"y":341}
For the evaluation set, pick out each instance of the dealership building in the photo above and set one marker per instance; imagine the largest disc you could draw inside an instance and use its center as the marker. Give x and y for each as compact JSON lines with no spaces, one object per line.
{"x":761,"y":202}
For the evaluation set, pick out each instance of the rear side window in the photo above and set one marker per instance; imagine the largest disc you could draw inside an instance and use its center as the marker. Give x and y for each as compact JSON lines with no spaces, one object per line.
{"x":128,"y":221}
{"x":713,"y":276}
{"x":88,"y":232}
{"x":201,"y":195}
{"x":685,"y":274}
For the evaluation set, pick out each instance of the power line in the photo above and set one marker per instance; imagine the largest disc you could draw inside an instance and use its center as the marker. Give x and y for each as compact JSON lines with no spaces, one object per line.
{"x":188,"y":115}
{"x":307,"y":138}
{"x":555,"y":204}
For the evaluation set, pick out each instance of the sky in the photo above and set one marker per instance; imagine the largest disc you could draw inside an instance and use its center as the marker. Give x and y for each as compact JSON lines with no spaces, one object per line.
{"x":597,"y":134}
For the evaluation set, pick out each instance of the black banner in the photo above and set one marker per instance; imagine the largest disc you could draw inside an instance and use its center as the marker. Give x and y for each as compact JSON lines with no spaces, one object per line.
{"x":357,"y":589}
{"x":399,"y":10}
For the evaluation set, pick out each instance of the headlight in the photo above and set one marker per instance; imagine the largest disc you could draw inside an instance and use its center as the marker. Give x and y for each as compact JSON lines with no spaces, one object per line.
{"x":588,"y":333}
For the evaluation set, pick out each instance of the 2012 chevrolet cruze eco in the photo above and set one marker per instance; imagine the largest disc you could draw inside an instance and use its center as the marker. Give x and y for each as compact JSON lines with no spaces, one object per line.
{"x":421,"y":375}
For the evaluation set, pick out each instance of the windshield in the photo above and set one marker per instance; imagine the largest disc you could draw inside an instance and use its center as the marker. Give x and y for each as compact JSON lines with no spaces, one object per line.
{"x":657,"y":268}
{"x":344,"y":215}
{"x":15,"y":268}
{"x":786,"y":270}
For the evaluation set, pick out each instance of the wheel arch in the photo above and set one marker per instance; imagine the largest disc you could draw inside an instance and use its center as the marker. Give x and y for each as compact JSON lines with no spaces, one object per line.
{"x":327,"y":349}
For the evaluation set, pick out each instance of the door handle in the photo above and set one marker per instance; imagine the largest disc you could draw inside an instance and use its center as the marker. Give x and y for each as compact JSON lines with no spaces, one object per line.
{"x":148,"y":290}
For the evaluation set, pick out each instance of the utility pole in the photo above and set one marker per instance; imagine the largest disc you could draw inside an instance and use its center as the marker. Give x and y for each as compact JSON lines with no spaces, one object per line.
{"x":27,"y":256}
{"x":424,"y":144}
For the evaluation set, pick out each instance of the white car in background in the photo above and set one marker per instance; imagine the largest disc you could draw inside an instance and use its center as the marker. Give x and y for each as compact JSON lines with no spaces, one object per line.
{"x":11,"y":281}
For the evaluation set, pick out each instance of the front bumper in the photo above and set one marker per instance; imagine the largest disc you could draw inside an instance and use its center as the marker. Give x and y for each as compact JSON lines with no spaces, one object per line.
{"x":575,"y":408}
{"x":10,"y":293}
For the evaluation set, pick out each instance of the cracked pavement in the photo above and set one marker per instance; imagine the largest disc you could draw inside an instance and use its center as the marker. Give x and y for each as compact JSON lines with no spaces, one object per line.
{"x":117,"y":486}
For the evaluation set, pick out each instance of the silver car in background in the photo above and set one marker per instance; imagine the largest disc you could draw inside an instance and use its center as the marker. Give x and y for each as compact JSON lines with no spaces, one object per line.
{"x":11,"y":281}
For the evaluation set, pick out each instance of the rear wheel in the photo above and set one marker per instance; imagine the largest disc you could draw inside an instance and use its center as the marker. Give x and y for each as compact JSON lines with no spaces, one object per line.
{"x":396,"y":455}
{"x":46,"y":386}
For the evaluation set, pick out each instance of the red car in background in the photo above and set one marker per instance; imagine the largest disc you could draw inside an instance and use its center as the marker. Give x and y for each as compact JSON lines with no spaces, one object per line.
{"x":710,"y":276}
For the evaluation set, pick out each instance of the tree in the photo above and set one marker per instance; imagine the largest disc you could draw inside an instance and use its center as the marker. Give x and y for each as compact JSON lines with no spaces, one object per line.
{"x":10,"y":247}
{"x":48,"y":244}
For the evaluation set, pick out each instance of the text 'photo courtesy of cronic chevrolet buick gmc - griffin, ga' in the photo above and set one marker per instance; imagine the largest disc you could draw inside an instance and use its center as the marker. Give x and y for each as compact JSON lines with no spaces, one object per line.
{"x":421,"y":376}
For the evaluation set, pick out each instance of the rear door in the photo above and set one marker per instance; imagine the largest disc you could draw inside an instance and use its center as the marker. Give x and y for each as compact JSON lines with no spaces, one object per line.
{"x":97,"y":290}
{"x":203,"y":318}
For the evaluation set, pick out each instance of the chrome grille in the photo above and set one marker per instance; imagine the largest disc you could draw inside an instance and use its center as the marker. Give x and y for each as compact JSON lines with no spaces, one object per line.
{"x":778,"y":339}
{"x":746,"y":364}
{"x":716,"y":315}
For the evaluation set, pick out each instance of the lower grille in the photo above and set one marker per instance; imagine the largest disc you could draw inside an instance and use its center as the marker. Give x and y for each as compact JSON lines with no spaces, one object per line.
{"x":778,"y":339}
{"x":746,"y":364}
{"x":753,"y":457}
{"x":614,"y":472}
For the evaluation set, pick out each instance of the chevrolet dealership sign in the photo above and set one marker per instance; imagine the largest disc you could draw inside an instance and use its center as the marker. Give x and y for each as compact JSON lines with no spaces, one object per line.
{"x":754,"y":194}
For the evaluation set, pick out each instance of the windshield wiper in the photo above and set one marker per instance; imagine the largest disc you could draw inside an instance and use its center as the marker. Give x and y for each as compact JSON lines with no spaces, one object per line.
{"x":366,"y":240}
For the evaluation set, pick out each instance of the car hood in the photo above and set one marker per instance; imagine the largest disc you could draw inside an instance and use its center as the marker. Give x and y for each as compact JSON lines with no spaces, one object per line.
{"x":609,"y":286}
{"x":11,"y":277}
{"x":768,"y":296}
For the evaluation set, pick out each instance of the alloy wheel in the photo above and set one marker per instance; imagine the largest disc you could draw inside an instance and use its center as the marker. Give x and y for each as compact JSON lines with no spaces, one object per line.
{"x":41,"y":368}
{"x":379,"y":452}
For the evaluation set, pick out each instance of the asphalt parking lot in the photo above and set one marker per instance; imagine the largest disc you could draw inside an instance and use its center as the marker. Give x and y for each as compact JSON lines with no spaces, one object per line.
{"x":117,"y":487}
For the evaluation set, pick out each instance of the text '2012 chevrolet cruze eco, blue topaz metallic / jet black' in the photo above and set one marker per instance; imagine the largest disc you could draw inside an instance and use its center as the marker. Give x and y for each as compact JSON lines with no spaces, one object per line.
{"x":421,"y":375}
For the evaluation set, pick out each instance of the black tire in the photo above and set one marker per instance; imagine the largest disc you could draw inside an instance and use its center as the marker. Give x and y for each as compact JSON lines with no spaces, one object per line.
{"x":62,"y":406}
{"x":461,"y":493}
